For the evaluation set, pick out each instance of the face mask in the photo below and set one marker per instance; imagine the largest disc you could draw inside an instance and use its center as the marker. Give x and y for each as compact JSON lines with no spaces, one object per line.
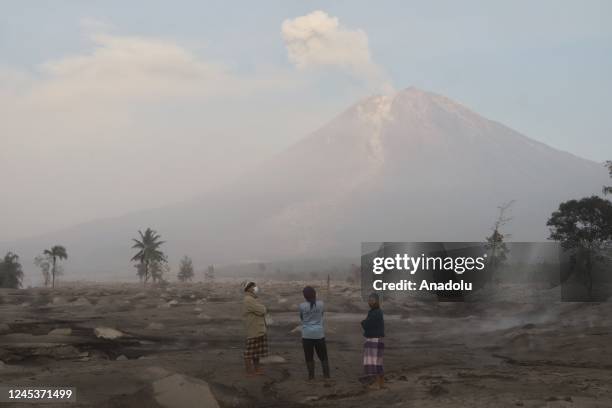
{"x":256,"y":290}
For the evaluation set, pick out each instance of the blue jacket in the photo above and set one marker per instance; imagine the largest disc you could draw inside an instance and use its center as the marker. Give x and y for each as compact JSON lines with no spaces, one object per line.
{"x":312,"y":320}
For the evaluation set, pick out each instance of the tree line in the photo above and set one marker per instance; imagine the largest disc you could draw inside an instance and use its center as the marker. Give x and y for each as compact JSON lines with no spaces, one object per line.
{"x":582,"y":226}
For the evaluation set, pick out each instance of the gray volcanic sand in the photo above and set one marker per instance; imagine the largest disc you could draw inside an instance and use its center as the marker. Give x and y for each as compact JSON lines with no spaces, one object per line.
{"x":181,"y":346}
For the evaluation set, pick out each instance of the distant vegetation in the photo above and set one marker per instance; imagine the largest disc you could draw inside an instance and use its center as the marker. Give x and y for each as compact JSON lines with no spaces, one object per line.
{"x":209,"y":275}
{"x":608,"y":189}
{"x":584,"y":229}
{"x":496,"y":245}
{"x":11,"y":273}
{"x":56,"y":253}
{"x":185,"y":272}
{"x":44,"y":263}
{"x":151,"y":260}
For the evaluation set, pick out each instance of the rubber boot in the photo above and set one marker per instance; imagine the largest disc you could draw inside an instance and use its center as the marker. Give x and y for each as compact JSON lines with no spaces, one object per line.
{"x":325,"y":365}
{"x":311,"y":367}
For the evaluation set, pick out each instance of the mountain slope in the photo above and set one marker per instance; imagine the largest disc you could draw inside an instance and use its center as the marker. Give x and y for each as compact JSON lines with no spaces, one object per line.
{"x":410,"y":166}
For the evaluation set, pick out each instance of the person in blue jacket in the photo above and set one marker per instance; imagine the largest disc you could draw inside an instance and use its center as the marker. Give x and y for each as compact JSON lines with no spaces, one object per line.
{"x":313,"y":334}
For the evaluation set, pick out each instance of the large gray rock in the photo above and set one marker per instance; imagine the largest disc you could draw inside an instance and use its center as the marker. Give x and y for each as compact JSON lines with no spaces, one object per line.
{"x":107,"y":333}
{"x":65,"y":331}
{"x":181,"y":391}
{"x":274,"y":359}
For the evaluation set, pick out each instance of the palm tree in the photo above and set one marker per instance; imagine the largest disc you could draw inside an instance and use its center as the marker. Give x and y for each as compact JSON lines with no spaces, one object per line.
{"x":56,"y":252}
{"x":148,"y":251}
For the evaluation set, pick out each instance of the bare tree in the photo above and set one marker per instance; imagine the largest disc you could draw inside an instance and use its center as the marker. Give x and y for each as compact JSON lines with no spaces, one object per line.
{"x":498,"y":251}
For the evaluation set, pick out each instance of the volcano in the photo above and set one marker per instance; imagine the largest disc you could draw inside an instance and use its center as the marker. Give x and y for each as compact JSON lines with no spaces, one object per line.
{"x":411,"y":166}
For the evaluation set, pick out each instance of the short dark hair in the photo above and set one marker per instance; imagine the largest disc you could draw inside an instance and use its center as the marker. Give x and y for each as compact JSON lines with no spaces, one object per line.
{"x":249,"y":286}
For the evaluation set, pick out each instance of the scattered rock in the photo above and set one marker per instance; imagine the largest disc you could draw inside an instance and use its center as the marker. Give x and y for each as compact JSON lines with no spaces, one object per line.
{"x":282,"y":301}
{"x":204,"y":316}
{"x":168,"y":305}
{"x":66,"y":331}
{"x":156,"y":326}
{"x":274,"y":359}
{"x":311,"y":398}
{"x":2,"y":365}
{"x":180,"y":391}
{"x":4,"y":328}
{"x":121,"y":358}
{"x":436,"y":390}
{"x":82,"y":302}
{"x":107,"y":333}
{"x":58,"y":300}
{"x":197,"y":309}
{"x":139,"y":295}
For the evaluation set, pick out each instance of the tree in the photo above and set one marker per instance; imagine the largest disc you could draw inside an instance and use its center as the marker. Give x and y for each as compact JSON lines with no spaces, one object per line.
{"x":11,"y":273}
{"x":185,"y":269}
{"x":157,"y":269}
{"x":608,"y":189}
{"x":44,"y":263}
{"x":210,"y":273}
{"x":496,"y":241}
{"x":584,"y":228}
{"x":148,"y":253}
{"x":56,"y":252}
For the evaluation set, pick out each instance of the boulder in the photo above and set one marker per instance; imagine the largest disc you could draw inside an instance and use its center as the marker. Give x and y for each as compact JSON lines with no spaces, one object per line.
{"x":140,"y":295}
{"x":82,"y":301}
{"x":204,"y":316}
{"x":66,"y":331}
{"x":273,"y":359}
{"x":181,"y":391}
{"x":156,"y":326}
{"x":58,"y":300}
{"x":107,"y":333}
{"x":121,"y":358}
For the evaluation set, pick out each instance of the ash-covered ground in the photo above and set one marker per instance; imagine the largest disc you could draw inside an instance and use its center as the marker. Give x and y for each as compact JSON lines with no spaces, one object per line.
{"x":123,"y":345}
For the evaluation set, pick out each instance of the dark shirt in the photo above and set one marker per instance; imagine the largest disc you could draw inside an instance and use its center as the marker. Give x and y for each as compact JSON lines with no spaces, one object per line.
{"x":374,"y":324}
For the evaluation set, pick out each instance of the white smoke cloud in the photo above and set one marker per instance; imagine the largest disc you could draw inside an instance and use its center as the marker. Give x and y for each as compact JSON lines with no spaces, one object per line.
{"x":317,"y":40}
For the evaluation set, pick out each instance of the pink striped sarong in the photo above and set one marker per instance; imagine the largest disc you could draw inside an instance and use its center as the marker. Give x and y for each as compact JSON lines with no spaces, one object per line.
{"x":373,"y":356}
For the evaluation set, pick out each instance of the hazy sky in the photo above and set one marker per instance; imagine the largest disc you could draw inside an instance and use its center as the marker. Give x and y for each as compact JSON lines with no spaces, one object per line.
{"x":112,"y":106}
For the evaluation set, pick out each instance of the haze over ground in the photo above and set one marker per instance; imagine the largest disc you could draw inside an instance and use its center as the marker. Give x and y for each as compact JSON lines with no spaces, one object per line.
{"x":106,"y":112}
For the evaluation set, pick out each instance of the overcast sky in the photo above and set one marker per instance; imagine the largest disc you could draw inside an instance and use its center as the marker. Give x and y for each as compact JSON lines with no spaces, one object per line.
{"x":108,"y":106}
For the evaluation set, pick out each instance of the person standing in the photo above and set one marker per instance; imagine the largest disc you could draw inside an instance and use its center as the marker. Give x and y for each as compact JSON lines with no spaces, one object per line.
{"x":313,"y":335}
{"x":255,"y":323}
{"x":373,"y":348}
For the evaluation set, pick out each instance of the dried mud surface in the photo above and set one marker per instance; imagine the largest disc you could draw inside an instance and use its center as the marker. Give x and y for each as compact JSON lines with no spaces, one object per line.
{"x":123,"y":345}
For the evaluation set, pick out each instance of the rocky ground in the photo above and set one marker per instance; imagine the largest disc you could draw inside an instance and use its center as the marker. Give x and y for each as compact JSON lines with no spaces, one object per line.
{"x":123,"y":345}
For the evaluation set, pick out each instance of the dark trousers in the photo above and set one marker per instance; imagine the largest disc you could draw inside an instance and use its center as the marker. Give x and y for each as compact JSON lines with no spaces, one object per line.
{"x":312,"y":345}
